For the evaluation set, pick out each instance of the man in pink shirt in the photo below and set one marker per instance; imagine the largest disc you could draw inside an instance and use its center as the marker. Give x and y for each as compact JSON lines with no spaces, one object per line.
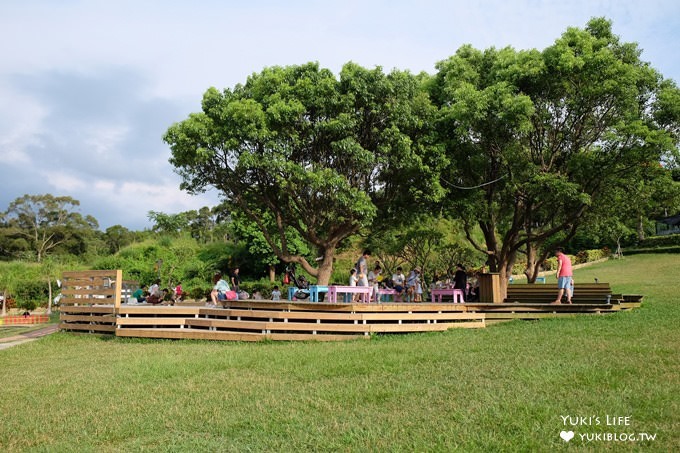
{"x":564,"y":275}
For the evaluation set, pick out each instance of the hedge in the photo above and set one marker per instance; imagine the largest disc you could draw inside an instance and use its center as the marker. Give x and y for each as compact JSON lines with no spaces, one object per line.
{"x":550,"y":264}
{"x":660,"y":241}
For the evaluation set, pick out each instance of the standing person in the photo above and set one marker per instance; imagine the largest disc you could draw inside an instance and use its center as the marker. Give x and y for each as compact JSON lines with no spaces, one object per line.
{"x":353,"y":279}
{"x":276,"y":294}
{"x":236,"y":280}
{"x":374,"y":280}
{"x":460,"y":280}
{"x":411,"y":282}
{"x":564,"y":276}
{"x":177,"y":297}
{"x":362,"y":268}
{"x":419,"y":287}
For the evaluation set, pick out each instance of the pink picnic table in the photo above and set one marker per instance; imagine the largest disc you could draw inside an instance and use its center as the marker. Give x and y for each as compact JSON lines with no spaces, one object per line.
{"x":387,"y":292}
{"x":334,"y":290}
{"x":457,"y":294}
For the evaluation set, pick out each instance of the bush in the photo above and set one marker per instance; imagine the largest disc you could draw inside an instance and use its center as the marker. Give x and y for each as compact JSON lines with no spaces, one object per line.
{"x":31,"y":293}
{"x":587,"y":256}
{"x":550,"y":264}
{"x":660,"y":241}
{"x":264,"y":286}
{"x":28,"y":305}
{"x":197,"y":288}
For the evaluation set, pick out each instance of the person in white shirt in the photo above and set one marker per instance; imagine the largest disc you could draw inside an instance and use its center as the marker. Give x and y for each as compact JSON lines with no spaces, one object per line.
{"x":374,"y":278}
{"x":398,"y":280}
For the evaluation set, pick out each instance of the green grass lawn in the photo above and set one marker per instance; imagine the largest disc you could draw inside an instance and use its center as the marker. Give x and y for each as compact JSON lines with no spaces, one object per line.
{"x":504,"y":388}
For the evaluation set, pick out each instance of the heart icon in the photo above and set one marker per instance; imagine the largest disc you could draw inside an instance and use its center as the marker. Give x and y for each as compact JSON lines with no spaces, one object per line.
{"x":567,"y":435}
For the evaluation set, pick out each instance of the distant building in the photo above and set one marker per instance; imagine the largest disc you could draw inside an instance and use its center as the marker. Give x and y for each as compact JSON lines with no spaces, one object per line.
{"x":669,"y":225}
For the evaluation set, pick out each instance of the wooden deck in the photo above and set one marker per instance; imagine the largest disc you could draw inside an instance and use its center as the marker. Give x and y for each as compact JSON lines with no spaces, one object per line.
{"x":85,"y":311}
{"x":259,"y":320}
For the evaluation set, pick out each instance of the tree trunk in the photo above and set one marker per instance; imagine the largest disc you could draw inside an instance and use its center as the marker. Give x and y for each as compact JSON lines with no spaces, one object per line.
{"x":272,"y":273}
{"x":531,"y":270}
{"x":325,"y":267}
{"x":640,"y":229}
{"x":504,"y":278}
{"x":49,"y":299}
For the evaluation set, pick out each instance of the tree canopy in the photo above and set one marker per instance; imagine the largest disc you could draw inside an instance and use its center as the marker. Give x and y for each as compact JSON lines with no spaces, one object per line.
{"x":535,"y":139}
{"x":296,"y":147}
{"x":37,"y":224}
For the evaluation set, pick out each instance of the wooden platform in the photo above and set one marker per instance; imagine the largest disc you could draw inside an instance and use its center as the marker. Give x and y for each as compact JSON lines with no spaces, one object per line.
{"x":253,"y":321}
{"x":86,"y":310}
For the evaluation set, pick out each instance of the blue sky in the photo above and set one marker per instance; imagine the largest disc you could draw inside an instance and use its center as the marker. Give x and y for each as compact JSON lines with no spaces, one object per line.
{"x":87,"y":88}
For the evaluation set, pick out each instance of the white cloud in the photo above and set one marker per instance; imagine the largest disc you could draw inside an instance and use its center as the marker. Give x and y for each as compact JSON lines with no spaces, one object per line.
{"x":61,"y":182}
{"x":104,"y":140}
{"x":21,"y":123}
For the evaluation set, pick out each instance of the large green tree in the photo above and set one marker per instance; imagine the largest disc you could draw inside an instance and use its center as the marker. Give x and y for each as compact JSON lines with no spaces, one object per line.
{"x":312,"y":152}
{"x":535,"y":139}
{"x":42,"y":223}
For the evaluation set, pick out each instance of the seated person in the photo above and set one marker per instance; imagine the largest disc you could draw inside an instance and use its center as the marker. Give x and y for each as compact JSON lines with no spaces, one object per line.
{"x":398,"y":281}
{"x":140,"y":295}
{"x":219,"y":291}
{"x":155,"y":296}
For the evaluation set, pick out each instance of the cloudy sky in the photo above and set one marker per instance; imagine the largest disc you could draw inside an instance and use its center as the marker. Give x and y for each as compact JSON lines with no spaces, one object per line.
{"x":88,"y":87}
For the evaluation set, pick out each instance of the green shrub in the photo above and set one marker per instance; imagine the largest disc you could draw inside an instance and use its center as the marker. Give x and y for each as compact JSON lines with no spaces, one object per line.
{"x":28,"y":305}
{"x":31,"y":293}
{"x":660,"y":241}
{"x":550,"y":264}
{"x":588,"y":256}
{"x":264,"y":286}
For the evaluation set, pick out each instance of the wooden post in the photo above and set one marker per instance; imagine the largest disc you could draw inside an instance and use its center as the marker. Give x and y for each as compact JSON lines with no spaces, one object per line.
{"x":490,"y":288}
{"x":119,"y":290}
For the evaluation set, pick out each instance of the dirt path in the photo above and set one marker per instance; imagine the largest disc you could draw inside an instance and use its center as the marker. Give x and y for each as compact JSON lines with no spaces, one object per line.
{"x":8,"y":342}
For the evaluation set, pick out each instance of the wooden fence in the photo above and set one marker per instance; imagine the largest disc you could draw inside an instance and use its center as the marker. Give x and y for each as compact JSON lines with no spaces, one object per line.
{"x":90,"y":300}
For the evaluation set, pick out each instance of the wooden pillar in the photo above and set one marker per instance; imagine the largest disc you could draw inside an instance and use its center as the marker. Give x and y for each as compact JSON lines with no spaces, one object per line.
{"x":490,"y":288}
{"x":118,"y":294}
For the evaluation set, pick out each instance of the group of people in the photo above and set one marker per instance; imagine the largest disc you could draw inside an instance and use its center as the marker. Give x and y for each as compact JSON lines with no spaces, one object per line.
{"x":154,"y":295}
{"x":223,"y":292}
{"x":408,"y":288}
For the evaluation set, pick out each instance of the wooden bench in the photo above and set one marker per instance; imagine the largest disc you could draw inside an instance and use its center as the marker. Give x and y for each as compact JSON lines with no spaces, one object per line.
{"x":585,"y":293}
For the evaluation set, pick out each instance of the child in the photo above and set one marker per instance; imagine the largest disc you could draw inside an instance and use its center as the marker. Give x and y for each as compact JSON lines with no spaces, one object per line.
{"x":419,"y":289}
{"x":374,"y":281}
{"x":353,"y":279}
{"x":177,"y":296}
{"x":276,"y":294}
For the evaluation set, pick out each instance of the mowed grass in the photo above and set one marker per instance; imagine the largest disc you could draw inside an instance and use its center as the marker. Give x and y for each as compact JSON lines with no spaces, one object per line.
{"x":504,"y":388}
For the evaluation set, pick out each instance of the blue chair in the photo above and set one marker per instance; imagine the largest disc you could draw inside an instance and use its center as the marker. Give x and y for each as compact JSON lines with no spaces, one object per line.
{"x":314,"y":291}
{"x":291,"y":292}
